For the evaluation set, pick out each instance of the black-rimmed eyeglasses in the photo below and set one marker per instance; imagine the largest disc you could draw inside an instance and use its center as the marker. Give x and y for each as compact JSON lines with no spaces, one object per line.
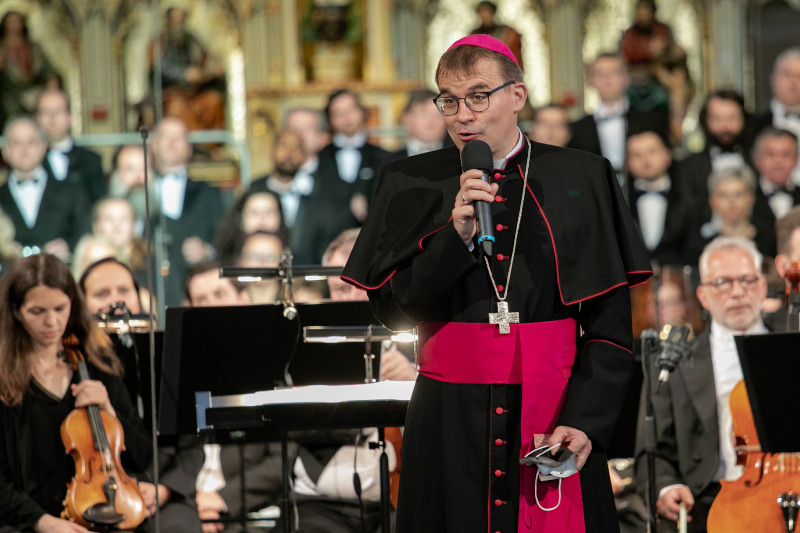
{"x":477,"y":102}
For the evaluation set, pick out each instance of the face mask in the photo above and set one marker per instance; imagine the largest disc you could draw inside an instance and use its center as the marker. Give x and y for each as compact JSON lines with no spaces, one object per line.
{"x":550,"y":467}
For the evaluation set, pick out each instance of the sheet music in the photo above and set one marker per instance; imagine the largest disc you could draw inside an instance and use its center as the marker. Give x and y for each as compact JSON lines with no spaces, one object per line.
{"x":383,"y":390}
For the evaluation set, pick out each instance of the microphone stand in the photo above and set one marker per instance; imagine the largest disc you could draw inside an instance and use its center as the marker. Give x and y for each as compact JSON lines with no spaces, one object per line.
{"x":151,"y":329}
{"x":649,"y":344}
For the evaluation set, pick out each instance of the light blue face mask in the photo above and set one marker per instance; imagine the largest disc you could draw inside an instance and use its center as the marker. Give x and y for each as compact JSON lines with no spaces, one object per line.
{"x":550,"y":467}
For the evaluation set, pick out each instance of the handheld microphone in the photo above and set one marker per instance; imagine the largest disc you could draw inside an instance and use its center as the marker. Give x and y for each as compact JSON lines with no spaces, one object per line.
{"x":675,"y":346}
{"x":477,"y":154}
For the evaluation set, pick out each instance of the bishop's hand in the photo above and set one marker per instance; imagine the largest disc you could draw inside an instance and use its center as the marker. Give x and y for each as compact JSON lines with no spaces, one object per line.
{"x":472,"y":189}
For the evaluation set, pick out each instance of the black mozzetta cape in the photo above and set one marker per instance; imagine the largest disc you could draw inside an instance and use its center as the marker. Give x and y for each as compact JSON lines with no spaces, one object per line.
{"x":594,"y":239}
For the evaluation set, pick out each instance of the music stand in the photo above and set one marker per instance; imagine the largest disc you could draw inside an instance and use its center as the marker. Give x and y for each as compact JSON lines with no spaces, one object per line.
{"x":250,"y":356}
{"x":772,"y":394}
{"x":137,"y":369}
{"x":333,"y":363}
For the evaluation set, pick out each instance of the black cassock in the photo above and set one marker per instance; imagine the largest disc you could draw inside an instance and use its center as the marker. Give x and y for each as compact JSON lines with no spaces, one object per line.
{"x":578,"y":253}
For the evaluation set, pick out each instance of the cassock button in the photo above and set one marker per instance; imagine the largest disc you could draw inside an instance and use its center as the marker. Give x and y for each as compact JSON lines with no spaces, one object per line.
{"x":499,"y":442}
{"x":498,"y":473}
{"x":498,"y":503}
{"x":500,"y":411}
{"x":497,"y":175}
{"x":500,"y":227}
{"x":499,"y":198}
{"x":499,"y":288}
{"x":501,"y":257}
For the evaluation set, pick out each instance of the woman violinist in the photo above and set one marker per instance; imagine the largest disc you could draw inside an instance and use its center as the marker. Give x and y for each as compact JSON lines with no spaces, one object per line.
{"x":39,"y":304}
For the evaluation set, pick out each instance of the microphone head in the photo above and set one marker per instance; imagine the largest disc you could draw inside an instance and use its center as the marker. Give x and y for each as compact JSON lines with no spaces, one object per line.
{"x":477,"y":154}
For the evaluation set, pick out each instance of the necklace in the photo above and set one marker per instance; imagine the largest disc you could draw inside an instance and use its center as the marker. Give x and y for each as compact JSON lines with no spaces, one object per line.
{"x":503,"y":317}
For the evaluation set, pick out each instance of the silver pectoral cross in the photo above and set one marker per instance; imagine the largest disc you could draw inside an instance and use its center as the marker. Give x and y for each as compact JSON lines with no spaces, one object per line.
{"x":503,"y":318}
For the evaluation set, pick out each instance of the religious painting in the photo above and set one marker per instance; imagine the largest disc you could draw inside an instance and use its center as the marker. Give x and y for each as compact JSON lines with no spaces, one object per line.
{"x":36,"y":52}
{"x":333,"y":39}
{"x":195,"y":62}
{"x":454,"y":19}
{"x":673,"y":76}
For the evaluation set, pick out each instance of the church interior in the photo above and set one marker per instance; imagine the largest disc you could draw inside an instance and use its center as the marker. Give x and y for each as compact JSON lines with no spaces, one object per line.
{"x":259,"y":102}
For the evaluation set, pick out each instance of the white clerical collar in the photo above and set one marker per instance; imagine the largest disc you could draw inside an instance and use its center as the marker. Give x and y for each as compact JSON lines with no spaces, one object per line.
{"x":500,"y":164}
{"x":617,"y":109}
{"x":721,"y":333}
{"x":661,"y":184}
{"x":356,"y":141}
{"x":780,"y":111}
{"x":64,"y":146}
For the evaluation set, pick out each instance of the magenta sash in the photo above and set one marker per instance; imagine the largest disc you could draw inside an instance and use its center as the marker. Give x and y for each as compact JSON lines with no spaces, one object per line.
{"x":537,"y":355}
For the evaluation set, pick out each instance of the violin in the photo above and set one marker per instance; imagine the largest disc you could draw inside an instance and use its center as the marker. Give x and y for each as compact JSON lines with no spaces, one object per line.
{"x":101,"y":495}
{"x":767,"y":495}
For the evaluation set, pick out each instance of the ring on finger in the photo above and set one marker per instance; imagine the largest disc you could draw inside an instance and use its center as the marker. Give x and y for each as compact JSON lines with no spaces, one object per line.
{"x":464,"y":198}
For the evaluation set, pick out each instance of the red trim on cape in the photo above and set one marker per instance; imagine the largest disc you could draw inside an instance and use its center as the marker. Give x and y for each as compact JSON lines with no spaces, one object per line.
{"x":611,"y":343}
{"x":421,"y":248}
{"x":555,"y":253}
{"x":364,"y":287}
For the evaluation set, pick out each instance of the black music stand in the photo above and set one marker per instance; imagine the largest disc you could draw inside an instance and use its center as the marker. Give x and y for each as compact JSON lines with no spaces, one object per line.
{"x":772,"y":393}
{"x":223,"y":350}
{"x":330,"y":363}
{"x":136,"y":363}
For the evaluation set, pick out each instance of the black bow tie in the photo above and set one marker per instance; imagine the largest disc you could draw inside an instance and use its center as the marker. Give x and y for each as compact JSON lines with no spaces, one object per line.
{"x":638,"y":193}
{"x":783,"y":190}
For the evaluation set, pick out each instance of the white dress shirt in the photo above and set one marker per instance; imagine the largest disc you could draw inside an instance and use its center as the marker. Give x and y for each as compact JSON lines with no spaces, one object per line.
{"x":727,"y":373}
{"x":171,"y":192}
{"x":611,"y":128}
{"x":28,"y":194}
{"x":652,"y":209}
{"x":780,"y":201}
{"x":348,"y":156}
{"x":301,"y":185}
{"x":58,"y":159}
{"x":210,"y":478}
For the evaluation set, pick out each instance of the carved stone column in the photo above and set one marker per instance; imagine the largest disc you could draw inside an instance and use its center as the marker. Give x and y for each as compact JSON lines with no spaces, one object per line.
{"x":565,"y":35}
{"x":379,"y":63}
{"x":728,"y":27}
{"x":290,"y":43}
{"x":102,"y":94}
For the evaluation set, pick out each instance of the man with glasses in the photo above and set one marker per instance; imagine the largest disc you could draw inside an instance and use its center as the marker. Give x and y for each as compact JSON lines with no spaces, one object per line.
{"x":694,"y":446}
{"x":500,"y":370}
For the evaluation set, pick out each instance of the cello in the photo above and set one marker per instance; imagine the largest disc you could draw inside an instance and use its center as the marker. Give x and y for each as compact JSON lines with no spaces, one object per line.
{"x":767,"y":495}
{"x":101,"y":495}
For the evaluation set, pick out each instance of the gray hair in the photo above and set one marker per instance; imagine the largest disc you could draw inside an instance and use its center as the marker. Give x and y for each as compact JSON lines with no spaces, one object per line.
{"x":15,"y":119}
{"x":738,"y":172}
{"x":730,"y":243}
{"x":789,"y":53}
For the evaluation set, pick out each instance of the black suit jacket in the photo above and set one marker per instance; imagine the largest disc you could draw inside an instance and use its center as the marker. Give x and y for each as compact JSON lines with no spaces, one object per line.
{"x":585,"y":137}
{"x":671,"y":249}
{"x":202,"y":211}
{"x":762,"y":209}
{"x":85,"y":169}
{"x":327,"y":212}
{"x":63,"y":213}
{"x":687,"y":427}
